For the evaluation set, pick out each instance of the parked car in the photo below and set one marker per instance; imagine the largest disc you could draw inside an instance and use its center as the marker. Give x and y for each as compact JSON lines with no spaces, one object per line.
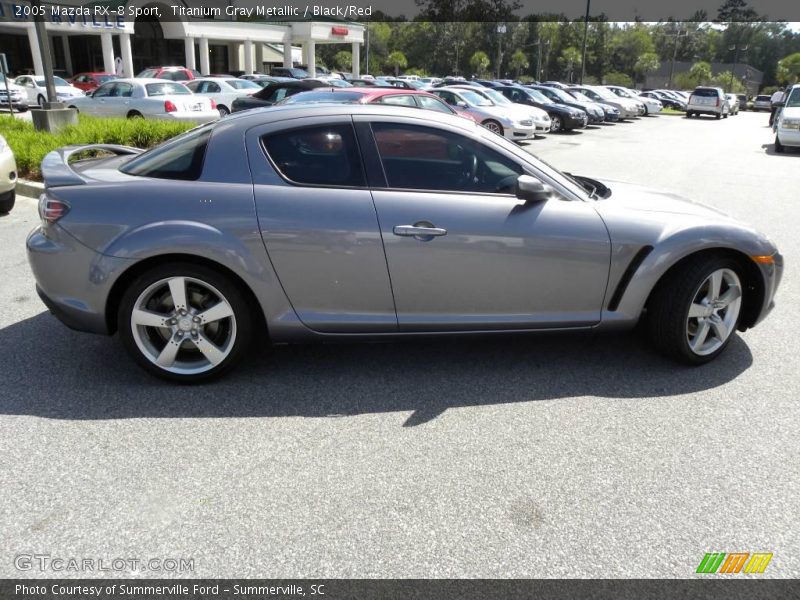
{"x":742,"y":101}
{"x":594,"y":113}
{"x":488,"y":83}
{"x":35,"y":89}
{"x":708,"y":101}
{"x":611,"y":112}
{"x":8,"y":177}
{"x":540,"y":118}
{"x":667,"y":101}
{"x":19,"y":97}
{"x":275,"y":92}
{"x":497,"y":119}
{"x":762,"y":102}
{"x":733,"y":104}
{"x":376,"y":95}
{"x":371,"y":223}
{"x":628,"y":109}
{"x":223,"y":91}
{"x":645,"y":105}
{"x":363,"y":83}
{"x":562,"y":118}
{"x":170,"y":73}
{"x":89,"y":82}
{"x":787,"y":122}
{"x":333,"y":82}
{"x":139,"y":98}
{"x":291,"y":72}
{"x":264,"y":80}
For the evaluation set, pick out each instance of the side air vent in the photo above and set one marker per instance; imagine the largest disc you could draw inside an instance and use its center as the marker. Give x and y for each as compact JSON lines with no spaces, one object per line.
{"x":636,"y":261}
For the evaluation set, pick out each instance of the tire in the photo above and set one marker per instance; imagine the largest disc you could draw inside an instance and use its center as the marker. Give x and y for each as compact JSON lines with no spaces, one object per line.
{"x":41,"y":100}
{"x":223,"y":111}
{"x":166,"y":341}
{"x":700,"y":337}
{"x":718,"y":116}
{"x":7,"y":201}
{"x":493,"y":126}
{"x":556,"y":124}
{"x":724,"y":116}
{"x":135,"y":115}
{"x":689,"y":114}
{"x":779,"y":148}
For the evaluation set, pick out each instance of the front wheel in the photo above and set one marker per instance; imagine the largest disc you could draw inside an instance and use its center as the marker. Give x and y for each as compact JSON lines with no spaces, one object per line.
{"x":779,"y":148}
{"x":493,"y":126}
{"x":555,"y":124}
{"x":185,"y":323}
{"x":694,"y":311}
{"x":7,"y":201}
{"x":223,"y":111}
{"x":40,"y":100}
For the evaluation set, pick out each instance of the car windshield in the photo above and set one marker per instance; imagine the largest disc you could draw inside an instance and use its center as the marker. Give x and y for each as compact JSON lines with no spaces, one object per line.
{"x":762,"y":98}
{"x":794,"y":99}
{"x":538,"y":96}
{"x":57,"y":80}
{"x":604,"y":93}
{"x":327,"y":96}
{"x":474,"y":99}
{"x":561,"y":95}
{"x":497,"y":97}
{"x":580,"y":96}
{"x":166,"y":88}
{"x":242,"y":84}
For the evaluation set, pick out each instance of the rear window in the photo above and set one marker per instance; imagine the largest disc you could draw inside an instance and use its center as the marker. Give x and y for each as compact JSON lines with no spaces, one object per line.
{"x":180,"y":158}
{"x":314,"y":97}
{"x":166,"y":88}
{"x":762,"y":98}
{"x":706,"y":92}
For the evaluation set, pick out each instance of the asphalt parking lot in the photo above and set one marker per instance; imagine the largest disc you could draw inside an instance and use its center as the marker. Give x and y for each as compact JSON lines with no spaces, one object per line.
{"x":527,"y":457}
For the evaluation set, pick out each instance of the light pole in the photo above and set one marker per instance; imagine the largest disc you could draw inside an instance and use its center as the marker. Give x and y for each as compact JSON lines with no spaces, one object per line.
{"x":539,"y":45}
{"x":501,"y":29}
{"x":585,"y":35}
{"x":735,"y":48}
{"x":678,"y":34}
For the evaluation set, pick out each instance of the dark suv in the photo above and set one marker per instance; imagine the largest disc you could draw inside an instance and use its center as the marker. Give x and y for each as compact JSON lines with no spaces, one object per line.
{"x":293,"y":72}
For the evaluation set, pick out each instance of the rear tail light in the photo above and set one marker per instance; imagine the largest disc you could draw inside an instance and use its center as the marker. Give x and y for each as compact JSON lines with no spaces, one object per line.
{"x":717,"y":101}
{"x":213,"y":104}
{"x":51,"y":209}
{"x":169,"y":106}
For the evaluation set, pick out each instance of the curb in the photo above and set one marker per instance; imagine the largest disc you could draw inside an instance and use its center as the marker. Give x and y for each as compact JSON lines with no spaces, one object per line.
{"x":31,"y":189}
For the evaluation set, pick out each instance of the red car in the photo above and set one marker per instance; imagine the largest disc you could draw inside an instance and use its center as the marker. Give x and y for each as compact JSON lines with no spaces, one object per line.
{"x":89,"y":82}
{"x":171,"y":73}
{"x":376,"y":95}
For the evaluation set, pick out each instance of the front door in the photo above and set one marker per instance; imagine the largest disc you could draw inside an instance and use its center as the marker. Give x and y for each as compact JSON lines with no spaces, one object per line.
{"x":464,"y":253}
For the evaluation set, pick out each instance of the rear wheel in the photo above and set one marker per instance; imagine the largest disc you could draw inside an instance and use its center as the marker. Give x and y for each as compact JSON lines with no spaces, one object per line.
{"x":694,"y":311}
{"x":185,"y":322}
{"x":134,"y":114}
{"x":223,"y":111}
{"x":718,"y":116}
{"x":40,"y":101}
{"x":689,"y":114}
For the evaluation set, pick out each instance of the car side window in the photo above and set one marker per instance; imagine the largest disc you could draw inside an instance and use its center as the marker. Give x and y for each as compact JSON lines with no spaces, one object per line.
{"x":180,"y":158}
{"x":448,"y":97}
{"x":212,"y":88}
{"x":104,"y":90}
{"x":399,"y":100}
{"x":424,"y":158}
{"x":429,"y":103}
{"x":196,"y":86}
{"x":320,"y":155}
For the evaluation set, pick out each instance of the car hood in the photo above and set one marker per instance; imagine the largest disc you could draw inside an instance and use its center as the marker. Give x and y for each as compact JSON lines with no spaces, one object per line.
{"x":628,"y":196}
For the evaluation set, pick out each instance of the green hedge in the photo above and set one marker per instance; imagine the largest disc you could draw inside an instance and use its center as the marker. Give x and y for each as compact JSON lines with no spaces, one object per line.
{"x":31,"y":146}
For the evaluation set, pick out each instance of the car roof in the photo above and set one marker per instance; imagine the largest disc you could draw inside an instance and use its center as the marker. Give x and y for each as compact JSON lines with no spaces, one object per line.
{"x":277,"y":113}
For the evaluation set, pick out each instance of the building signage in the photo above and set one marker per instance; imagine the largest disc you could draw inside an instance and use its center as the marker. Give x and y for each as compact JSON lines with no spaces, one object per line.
{"x":339,"y":31}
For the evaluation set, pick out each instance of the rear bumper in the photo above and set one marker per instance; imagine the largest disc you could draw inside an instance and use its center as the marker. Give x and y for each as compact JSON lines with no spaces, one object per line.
{"x":8,"y":171}
{"x":72,"y":280}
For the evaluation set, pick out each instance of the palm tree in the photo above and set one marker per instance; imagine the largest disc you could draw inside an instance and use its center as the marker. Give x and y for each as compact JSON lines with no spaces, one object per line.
{"x":397,"y":60}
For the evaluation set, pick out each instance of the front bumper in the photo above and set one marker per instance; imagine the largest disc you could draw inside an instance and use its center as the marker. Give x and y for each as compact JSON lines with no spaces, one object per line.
{"x":17,"y":102}
{"x":574,"y":121}
{"x":519,"y":132}
{"x":8,"y":171}
{"x":789,"y":137}
{"x":772,"y":278}
{"x":73,"y":280}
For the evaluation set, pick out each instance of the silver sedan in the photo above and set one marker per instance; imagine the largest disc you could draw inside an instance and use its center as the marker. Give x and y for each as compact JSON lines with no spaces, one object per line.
{"x":342,"y":222}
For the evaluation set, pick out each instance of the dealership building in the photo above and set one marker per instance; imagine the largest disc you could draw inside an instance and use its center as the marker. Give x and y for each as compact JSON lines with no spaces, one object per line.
{"x":210,"y":36}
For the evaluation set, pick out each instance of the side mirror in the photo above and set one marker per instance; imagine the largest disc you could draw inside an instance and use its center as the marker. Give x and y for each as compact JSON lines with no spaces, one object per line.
{"x":461,"y":104}
{"x":531,"y":189}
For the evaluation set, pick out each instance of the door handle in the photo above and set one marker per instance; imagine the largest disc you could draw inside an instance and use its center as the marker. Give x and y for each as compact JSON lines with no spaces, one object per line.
{"x":421,"y":231}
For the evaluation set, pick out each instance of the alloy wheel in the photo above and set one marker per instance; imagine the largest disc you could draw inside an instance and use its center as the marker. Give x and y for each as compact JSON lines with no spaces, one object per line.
{"x":555,"y":124}
{"x":183,"y":325}
{"x":714,"y":312}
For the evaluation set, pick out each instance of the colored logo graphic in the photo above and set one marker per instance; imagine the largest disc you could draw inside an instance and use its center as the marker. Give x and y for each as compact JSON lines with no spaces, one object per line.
{"x":734,"y":562}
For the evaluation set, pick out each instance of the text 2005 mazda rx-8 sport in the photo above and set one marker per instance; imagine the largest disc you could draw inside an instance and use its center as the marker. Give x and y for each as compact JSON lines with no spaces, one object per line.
{"x":328,"y":222}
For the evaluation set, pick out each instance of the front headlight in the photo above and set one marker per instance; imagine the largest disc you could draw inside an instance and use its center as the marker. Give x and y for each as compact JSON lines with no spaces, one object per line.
{"x":790,"y":123}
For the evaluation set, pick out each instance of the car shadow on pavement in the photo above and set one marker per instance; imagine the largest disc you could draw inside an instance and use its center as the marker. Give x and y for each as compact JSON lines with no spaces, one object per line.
{"x":770,"y":149}
{"x":52,"y":372}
